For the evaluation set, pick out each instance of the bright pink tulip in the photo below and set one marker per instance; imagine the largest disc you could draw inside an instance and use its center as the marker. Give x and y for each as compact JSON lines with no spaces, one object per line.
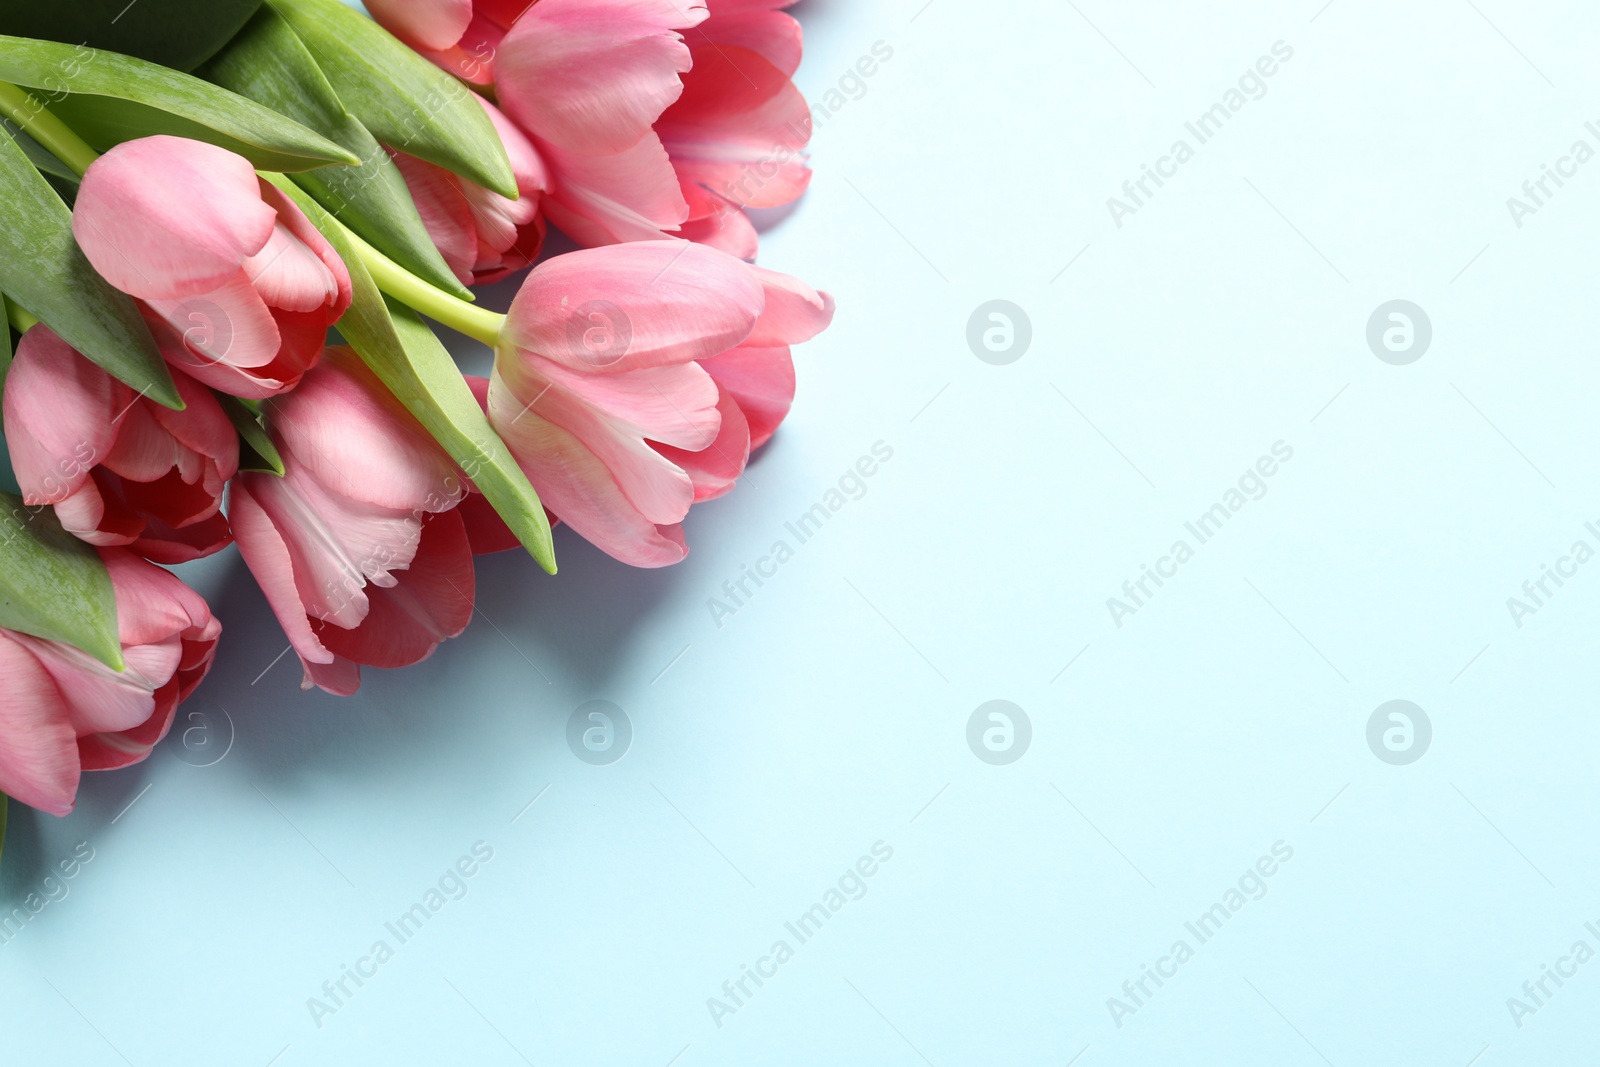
{"x":63,"y":712}
{"x":223,"y":257}
{"x":482,"y":235}
{"x":459,"y":35}
{"x":119,"y":469}
{"x":612,"y":353}
{"x":646,"y":135}
{"x":358,"y":547}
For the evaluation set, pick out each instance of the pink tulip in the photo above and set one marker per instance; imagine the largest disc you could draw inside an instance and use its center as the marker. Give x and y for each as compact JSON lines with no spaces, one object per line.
{"x":358,"y":547}
{"x":221,"y":256}
{"x":459,"y":35}
{"x":63,"y":712}
{"x":587,"y":80}
{"x":646,"y":135}
{"x":737,"y":135}
{"x":631,"y":380}
{"x":482,"y":235}
{"x":120,"y":469}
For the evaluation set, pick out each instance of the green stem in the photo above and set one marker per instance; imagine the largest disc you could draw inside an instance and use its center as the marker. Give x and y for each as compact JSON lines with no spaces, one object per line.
{"x":478,"y":323}
{"x":19,"y":316}
{"x":24,"y":109}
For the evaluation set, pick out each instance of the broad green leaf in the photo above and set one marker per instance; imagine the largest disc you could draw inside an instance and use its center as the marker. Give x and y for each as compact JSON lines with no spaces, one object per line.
{"x":268,"y":63}
{"x":410,"y":361}
{"x":54,"y":586}
{"x":253,"y":437}
{"x":408,"y":103}
{"x":43,"y":271}
{"x":109,"y":98}
{"x":173,"y":33}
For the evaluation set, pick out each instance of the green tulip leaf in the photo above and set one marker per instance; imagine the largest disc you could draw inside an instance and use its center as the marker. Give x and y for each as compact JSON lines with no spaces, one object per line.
{"x":54,"y":586}
{"x":268,"y":63}
{"x":107,"y":98}
{"x":406,"y":356}
{"x":408,"y":103}
{"x":43,"y":271}
{"x":257,"y":452}
{"x":173,"y":33}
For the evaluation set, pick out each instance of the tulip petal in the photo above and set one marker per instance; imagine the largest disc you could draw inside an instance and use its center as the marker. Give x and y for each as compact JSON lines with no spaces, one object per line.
{"x":578,"y":487}
{"x":740,"y":128}
{"x":761,"y":381}
{"x":430,"y":25}
{"x":444,"y":210}
{"x":715,"y":468}
{"x":431,"y":601}
{"x":675,"y":404}
{"x":229,"y":324}
{"x":774,"y":36}
{"x":631,"y":195}
{"x":655,"y":302}
{"x":167,"y":218}
{"x":593,"y":75}
{"x":348,"y":432}
{"x":793,"y":311}
{"x":38,"y":750}
{"x":267,"y":556}
{"x":61,"y":416}
{"x":288,"y":275}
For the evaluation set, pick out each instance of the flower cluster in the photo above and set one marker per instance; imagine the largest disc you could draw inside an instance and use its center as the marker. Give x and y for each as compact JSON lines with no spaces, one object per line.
{"x":171,"y":387}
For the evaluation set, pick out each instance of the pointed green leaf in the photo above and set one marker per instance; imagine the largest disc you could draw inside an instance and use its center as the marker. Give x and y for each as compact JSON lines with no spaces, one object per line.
{"x":257,"y":453}
{"x":408,"y":103}
{"x":43,"y":270}
{"x":268,"y":63}
{"x":54,"y":586}
{"x":173,"y":33}
{"x":107,"y":98}
{"x":408,"y":358}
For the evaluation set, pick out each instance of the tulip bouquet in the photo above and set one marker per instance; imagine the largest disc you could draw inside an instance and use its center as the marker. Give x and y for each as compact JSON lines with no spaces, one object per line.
{"x":194,"y":193}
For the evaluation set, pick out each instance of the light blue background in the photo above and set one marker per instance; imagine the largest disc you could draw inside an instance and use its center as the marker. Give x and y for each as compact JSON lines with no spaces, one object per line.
{"x":830,"y":712}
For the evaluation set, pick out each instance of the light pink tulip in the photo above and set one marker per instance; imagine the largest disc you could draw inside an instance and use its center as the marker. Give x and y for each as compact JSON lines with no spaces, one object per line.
{"x":63,"y":712}
{"x":631,"y":380}
{"x":119,"y":469}
{"x":221,"y":256}
{"x":482,"y":235}
{"x":648,"y":131}
{"x":459,"y":35}
{"x":358,"y":547}
{"x":587,"y":80}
